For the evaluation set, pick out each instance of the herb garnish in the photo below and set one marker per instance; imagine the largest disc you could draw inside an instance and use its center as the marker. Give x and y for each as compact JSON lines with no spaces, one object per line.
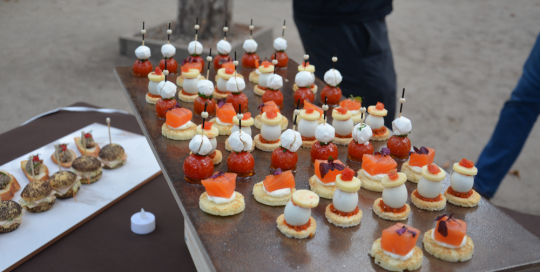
{"x":324,"y":168}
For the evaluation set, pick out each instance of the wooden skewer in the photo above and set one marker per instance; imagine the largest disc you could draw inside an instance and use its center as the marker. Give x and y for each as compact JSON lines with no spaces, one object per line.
{"x":225,"y":31}
{"x":284,"y":27}
{"x":209,"y":59}
{"x":31,"y":158}
{"x":168,"y":34}
{"x":196,"y":31}
{"x":143,"y":33}
{"x":83,"y":142}
{"x":57,"y":154}
{"x":109,"y":126}
{"x":402,"y":101}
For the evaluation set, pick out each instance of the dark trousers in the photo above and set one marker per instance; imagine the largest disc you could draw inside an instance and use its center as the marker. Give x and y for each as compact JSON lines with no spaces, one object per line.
{"x":364,"y":59}
{"x":515,"y":123}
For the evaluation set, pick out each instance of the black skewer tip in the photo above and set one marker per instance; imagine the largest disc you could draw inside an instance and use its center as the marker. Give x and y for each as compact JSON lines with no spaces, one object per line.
{"x":205,"y":104}
{"x":296,"y":116}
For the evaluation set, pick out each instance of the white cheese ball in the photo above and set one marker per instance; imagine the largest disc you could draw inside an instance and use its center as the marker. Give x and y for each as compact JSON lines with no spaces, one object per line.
{"x":205,"y":87}
{"x":307,"y":128}
{"x":191,"y":85}
{"x":333,"y":77}
{"x":395,"y":197}
{"x":250,"y":46}
{"x":142,"y":52}
{"x":166,"y":89}
{"x":244,"y":130}
{"x":274,"y":81}
{"x":280,"y":44}
{"x":263,"y":79}
{"x":222,"y":84}
{"x":288,"y":140}
{"x":304,"y":79}
{"x":461,"y":183}
{"x":402,"y":126}
{"x":195,"y":143}
{"x":245,"y":144}
{"x":296,"y":215}
{"x":325,"y":133}
{"x":152,"y":87}
{"x":362,"y":133}
{"x":195,"y":48}
{"x":223,"y":47}
{"x":343,"y":128}
{"x":375,"y":122}
{"x":213,"y":141}
{"x":345,"y":201}
{"x":271,"y":133}
{"x":428,"y":188}
{"x":168,"y":50}
{"x":236,"y":84}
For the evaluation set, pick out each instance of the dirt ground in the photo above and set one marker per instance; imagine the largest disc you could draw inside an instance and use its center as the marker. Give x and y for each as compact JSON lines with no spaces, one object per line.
{"x":459,"y":61}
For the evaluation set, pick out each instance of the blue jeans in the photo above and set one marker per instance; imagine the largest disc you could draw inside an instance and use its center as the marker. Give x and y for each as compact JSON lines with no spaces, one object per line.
{"x":515,"y":123}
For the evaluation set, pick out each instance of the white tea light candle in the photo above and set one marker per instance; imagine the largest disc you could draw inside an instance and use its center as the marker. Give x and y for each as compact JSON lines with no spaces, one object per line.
{"x":143,"y":222}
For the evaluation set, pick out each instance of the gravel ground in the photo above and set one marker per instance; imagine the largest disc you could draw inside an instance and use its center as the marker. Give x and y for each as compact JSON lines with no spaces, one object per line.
{"x":459,"y":61}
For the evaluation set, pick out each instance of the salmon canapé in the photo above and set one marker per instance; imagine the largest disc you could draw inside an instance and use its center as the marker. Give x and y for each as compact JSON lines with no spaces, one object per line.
{"x":269,"y":105}
{"x":331,"y":175}
{"x":454,"y":229}
{"x":399,"y":239}
{"x":377,"y":164}
{"x":220,"y":184}
{"x":276,"y":182}
{"x":226,"y":113}
{"x":178,"y":117}
{"x":351,"y":104}
{"x":308,"y":105}
{"x":419,"y":160}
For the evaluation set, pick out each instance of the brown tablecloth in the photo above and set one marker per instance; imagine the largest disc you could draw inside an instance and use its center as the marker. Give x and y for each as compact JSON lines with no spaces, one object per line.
{"x":106,"y":242}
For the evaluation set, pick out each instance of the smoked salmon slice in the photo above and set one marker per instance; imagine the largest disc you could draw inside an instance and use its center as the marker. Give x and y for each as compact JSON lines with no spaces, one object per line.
{"x":377,"y":164}
{"x":281,"y":181}
{"x":331,"y":175}
{"x":308,"y":105}
{"x":399,"y":239}
{"x":350,"y":104}
{"x":226,"y":113}
{"x":177,"y":117}
{"x":417,"y":159}
{"x":454,"y":229}
{"x":221,"y":184}
{"x":267,"y":106}
{"x":191,"y":65}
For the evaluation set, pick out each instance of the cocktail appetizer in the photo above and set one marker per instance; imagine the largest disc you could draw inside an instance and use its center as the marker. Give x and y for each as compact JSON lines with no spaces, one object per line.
{"x":461,"y":192}
{"x":154,"y":78}
{"x":266,"y":70}
{"x":392,"y":206}
{"x":167,"y":90}
{"x":220,"y":197}
{"x":323,"y":146}
{"x":8,"y":186}
{"x":399,"y":144}
{"x":276,"y":189}
{"x":66,"y":155}
{"x":142,"y":66}
{"x":307,"y":126}
{"x":34,"y":168}
{"x":246,"y":123}
{"x":195,"y":48}
{"x":112,"y":156}
{"x":360,"y":144}
{"x":308,"y":105}
{"x":417,"y":159}
{"x":268,"y":106}
{"x":37,"y":196}
{"x":375,"y":120}
{"x":331,"y":91}
{"x":285,"y":157}
{"x":323,"y":183}
{"x":168,"y":51}
{"x":178,"y":125}
{"x":198,"y":165}
{"x":223,"y":75}
{"x":189,"y":90}
{"x":343,"y":123}
{"x":305,"y":66}
{"x":250,"y":58}
{"x":305,"y":80}
{"x":88,"y":146}
{"x":344,"y":211}
{"x":296,"y":221}
{"x":240,"y":161}
{"x":272,"y":93}
{"x":280,"y":45}
{"x":396,"y":250}
{"x":205,"y":99}
{"x":10,"y":216}
{"x":239,"y":100}
{"x":374,"y":168}
{"x":428,"y":195}
{"x":224,"y":119}
{"x":187,"y":66}
{"x":269,"y":140}
{"x":354,"y":105}
{"x":65,"y":184}
{"x":449,"y":241}
{"x":211,"y":132}
{"x":87,"y":168}
{"x":223,"y":48}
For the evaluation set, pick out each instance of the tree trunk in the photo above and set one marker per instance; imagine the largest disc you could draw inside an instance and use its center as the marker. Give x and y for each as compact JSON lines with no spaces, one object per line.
{"x":212,"y":16}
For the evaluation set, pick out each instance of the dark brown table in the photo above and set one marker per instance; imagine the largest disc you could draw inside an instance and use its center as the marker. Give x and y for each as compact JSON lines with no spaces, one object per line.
{"x":250,"y":241}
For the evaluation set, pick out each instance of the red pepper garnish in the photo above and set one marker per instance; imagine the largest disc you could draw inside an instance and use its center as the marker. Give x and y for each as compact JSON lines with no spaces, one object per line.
{"x":379,"y":106}
{"x":35,"y":158}
{"x":433,"y":169}
{"x":342,"y":110}
{"x":466,"y":163}
{"x":393,"y":174}
{"x":158,"y":71}
{"x":63,"y":147}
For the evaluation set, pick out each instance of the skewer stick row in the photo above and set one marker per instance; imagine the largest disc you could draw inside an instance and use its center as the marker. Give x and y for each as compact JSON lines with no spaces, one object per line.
{"x":251,"y":27}
{"x":402,"y":101}
{"x":169,"y":32}
{"x":143,"y":31}
{"x":283,"y":31}
{"x":209,"y":60}
{"x":225,"y":29}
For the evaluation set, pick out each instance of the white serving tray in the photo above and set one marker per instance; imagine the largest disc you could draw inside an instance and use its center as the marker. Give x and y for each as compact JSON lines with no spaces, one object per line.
{"x":38,"y":230}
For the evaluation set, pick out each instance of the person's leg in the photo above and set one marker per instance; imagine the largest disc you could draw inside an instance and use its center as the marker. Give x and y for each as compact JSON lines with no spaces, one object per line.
{"x":515,"y":123}
{"x":364,"y":59}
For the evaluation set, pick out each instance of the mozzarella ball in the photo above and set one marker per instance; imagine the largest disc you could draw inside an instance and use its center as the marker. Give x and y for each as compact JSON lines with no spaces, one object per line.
{"x":428,"y":188}
{"x":307,"y":128}
{"x":190,"y":85}
{"x":345,"y":201}
{"x":343,"y":128}
{"x":375,"y":122}
{"x":271,"y":133}
{"x":461,"y":183}
{"x":395,"y":197}
{"x":244,"y":129}
{"x":296,"y":215}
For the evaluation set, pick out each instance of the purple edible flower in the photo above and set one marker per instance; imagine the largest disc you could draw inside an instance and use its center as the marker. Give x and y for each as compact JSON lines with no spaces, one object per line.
{"x":405,"y":229}
{"x":218,"y":174}
{"x":278,"y":172}
{"x":422,"y":150}
{"x":330,"y":166}
{"x":221,"y":102}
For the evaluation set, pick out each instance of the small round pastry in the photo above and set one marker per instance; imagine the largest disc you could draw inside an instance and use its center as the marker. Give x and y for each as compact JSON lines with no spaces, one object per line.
{"x":323,"y":183}
{"x":195,"y":50}
{"x":41,"y":172}
{"x":392,"y":206}
{"x":92,"y":148}
{"x":399,"y":144}
{"x":344,"y":211}
{"x":272,"y":93}
{"x":354,"y":105}
{"x":396,"y":250}
{"x":375,"y":120}
{"x":266,"y":70}
{"x":142,"y":66}
{"x":38,"y":196}
{"x":10,"y":216}
{"x":239,"y":100}
{"x":223,"y":48}
{"x":8,"y":185}
{"x":269,"y":139}
{"x":198,"y":165}
{"x":154,"y":78}
{"x":267,"y":106}
{"x":87,"y":168}
{"x":280,"y":45}
{"x":332,"y":91}
{"x":374,"y":168}
{"x":343,"y":123}
{"x":224,"y":119}
{"x":360,"y":144}
{"x":211,"y":132}
{"x":205,"y":98}
{"x":186,"y":67}
{"x":65,"y":184}
{"x":178,"y":125}
{"x":419,"y":158}
{"x":189,"y":91}
{"x":167,"y":90}
{"x":220,"y":197}
{"x":112,"y":156}
{"x":305,"y":66}
{"x":323,"y":147}
{"x":168,"y":51}
{"x":460,"y":192}
{"x":304,"y":79}
{"x":241,"y":161}
{"x":428,"y":195}
{"x":250,"y":58}
{"x":223,"y":76}
{"x":307,"y":126}
{"x":65,"y":155}
{"x":285,"y":157}
{"x":276,"y":189}
{"x":254,"y":76}
{"x":296,"y":221}
{"x":449,"y":241}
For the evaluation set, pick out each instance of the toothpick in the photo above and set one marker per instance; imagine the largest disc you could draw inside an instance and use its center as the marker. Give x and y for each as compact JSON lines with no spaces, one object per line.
{"x":109,"y":125}
{"x":402,"y":101}
{"x":209,"y":59}
{"x":196,"y":31}
{"x":325,"y":101}
{"x":283,"y":27}
{"x":57,"y":154}
{"x":143,"y":32}
{"x":251,"y":30}
{"x":83,"y":142}
{"x":225,"y":29}
{"x":166,"y":73}
{"x":31,"y":158}
{"x":169,"y":34}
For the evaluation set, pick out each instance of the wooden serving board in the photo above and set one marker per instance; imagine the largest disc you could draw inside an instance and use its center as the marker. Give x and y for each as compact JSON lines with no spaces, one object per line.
{"x":250,"y":240}
{"x":40,"y":230}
